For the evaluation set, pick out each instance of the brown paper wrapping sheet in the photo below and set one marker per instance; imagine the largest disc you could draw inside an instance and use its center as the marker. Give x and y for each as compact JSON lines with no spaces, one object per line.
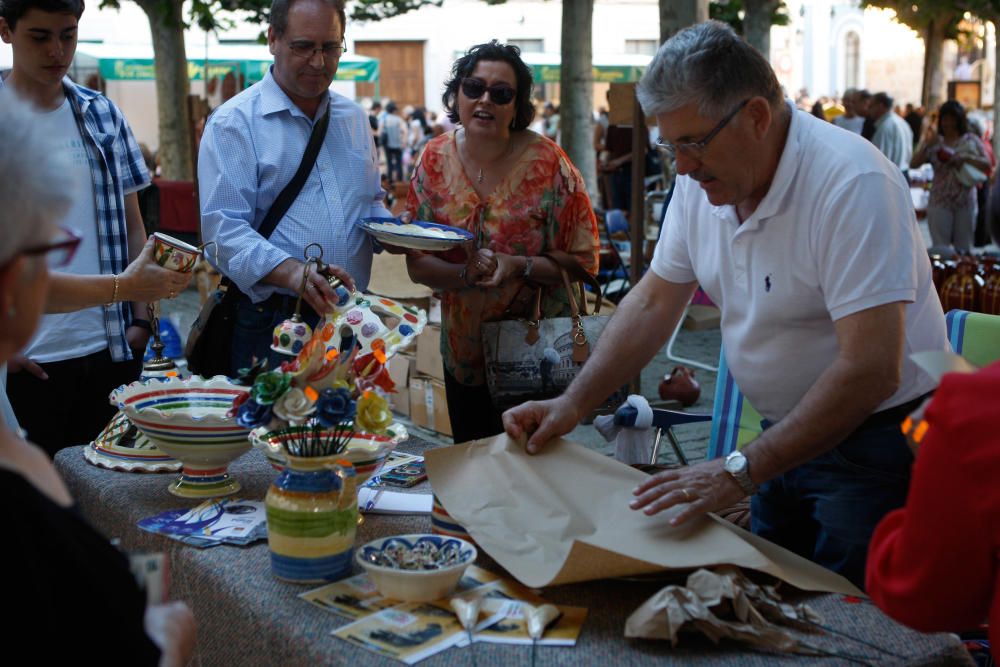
{"x":562,"y":516}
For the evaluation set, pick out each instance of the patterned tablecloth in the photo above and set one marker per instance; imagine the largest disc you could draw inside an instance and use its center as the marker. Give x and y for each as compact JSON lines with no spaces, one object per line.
{"x":247,"y":617}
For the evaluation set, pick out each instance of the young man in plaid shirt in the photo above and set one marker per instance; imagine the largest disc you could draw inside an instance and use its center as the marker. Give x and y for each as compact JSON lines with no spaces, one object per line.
{"x":76,"y":358}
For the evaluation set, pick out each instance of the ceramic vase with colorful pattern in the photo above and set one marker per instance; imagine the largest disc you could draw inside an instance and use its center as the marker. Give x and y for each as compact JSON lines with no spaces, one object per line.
{"x":312,"y":518}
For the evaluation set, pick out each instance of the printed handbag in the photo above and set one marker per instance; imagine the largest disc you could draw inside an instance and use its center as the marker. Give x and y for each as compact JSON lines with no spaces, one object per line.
{"x":535,"y":359}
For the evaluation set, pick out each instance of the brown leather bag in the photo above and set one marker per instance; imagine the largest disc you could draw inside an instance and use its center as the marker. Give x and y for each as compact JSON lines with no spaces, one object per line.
{"x":533,"y":357}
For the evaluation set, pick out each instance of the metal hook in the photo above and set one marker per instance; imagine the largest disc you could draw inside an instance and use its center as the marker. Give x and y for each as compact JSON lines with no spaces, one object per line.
{"x":204,"y":246}
{"x":318,"y":258}
{"x":302,"y":288}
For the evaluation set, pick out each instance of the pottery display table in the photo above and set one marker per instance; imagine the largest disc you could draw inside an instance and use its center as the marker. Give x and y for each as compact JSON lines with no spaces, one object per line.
{"x":247,"y":617}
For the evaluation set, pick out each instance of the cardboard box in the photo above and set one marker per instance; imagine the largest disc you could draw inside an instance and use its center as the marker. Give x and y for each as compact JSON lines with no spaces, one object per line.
{"x":429,"y":361}
{"x":401,"y":368}
{"x":390,"y":278}
{"x":702,"y":317}
{"x":428,"y":404}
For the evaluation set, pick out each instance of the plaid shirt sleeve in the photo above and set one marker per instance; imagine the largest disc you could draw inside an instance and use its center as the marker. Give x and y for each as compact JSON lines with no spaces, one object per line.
{"x":131,"y":165}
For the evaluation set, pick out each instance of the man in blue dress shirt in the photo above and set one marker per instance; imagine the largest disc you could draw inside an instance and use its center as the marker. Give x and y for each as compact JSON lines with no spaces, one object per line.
{"x":253,"y":145}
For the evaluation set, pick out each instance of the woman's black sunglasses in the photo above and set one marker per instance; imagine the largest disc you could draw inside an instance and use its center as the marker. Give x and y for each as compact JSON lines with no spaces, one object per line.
{"x":500,"y":93}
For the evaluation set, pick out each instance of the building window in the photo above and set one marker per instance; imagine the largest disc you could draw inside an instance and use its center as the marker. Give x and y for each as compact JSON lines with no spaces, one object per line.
{"x":852,"y":60}
{"x":528,"y":45}
{"x":643,"y":47}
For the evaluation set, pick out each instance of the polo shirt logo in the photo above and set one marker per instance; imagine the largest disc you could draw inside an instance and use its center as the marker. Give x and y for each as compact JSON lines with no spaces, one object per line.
{"x":767,"y":283}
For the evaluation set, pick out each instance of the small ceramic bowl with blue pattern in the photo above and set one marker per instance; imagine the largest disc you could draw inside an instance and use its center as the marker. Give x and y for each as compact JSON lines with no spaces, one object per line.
{"x":416,"y":568}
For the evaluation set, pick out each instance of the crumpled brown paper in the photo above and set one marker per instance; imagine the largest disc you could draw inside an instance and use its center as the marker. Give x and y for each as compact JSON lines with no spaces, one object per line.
{"x":563,"y":516}
{"x":723,"y":604}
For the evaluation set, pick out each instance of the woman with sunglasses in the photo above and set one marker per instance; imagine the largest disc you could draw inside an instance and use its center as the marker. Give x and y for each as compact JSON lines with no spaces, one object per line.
{"x":518,"y":194}
{"x":66,"y":573}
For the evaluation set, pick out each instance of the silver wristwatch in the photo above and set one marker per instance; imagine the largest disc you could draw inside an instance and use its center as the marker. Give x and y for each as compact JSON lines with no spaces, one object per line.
{"x":739,"y":469}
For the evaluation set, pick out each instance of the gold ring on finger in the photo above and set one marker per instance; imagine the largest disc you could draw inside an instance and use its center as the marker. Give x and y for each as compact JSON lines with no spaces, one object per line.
{"x":687,"y":495}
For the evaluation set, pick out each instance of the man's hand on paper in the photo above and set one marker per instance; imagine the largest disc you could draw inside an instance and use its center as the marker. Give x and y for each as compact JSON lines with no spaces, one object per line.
{"x":704,"y":487}
{"x":541,"y":421}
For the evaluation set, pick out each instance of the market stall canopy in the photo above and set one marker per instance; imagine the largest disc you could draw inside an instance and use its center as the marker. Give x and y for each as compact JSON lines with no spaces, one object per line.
{"x":618,"y":68}
{"x":134,"y":62}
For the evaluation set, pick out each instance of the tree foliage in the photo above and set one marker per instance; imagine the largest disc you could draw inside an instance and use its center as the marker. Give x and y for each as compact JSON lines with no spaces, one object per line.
{"x":920,"y":14}
{"x":733,"y":12}
{"x":377,"y":10}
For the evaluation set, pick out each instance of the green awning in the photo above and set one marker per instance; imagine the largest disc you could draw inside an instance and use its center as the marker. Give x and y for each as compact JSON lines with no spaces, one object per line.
{"x":135,"y":63}
{"x":622,"y":68}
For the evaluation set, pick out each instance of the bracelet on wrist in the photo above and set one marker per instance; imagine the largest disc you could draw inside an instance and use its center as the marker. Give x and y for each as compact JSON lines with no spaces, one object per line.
{"x":142,"y":324}
{"x":114,"y":293}
{"x":527,"y":267}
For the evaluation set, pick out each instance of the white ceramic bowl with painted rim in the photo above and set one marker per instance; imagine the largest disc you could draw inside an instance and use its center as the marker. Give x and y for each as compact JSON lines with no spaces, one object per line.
{"x":188,"y":419}
{"x":416,"y":234}
{"x":416,"y":585}
{"x":366,"y":452}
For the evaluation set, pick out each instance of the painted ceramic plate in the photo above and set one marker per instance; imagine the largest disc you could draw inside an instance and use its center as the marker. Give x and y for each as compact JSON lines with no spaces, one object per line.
{"x":122,"y":446}
{"x":416,"y":234}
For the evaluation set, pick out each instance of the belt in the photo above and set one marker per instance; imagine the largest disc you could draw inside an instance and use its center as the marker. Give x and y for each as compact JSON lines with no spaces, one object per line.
{"x":893,"y":416}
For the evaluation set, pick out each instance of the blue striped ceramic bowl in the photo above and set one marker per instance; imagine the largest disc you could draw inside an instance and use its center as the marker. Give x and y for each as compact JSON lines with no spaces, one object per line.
{"x":187,"y":419}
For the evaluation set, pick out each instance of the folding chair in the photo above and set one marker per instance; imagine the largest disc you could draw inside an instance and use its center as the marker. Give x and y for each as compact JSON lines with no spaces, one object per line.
{"x":734,"y":420}
{"x":975,"y":336}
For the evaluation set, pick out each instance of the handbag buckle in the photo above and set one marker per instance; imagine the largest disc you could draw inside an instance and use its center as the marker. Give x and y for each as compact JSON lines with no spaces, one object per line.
{"x":579,"y":336}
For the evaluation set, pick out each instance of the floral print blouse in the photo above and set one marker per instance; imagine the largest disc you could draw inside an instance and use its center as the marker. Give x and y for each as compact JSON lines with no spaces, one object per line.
{"x":946,"y":190}
{"x":541,"y":204}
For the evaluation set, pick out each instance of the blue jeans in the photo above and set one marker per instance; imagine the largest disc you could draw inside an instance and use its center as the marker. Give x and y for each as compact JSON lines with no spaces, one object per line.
{"x":826,"y":509}
{"x":253,"y":330}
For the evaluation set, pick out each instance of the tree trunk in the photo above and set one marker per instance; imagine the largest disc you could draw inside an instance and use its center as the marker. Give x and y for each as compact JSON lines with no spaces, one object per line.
{"x":576,"y":115}
{"x":934,"y":86}
{"x":172,"y":87}
{"x":675,"y":15}
{"x":996,"y":89}
{"x":757,"y":24}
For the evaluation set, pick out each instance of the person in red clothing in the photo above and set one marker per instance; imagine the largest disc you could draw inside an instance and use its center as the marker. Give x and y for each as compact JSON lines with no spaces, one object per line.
{"x":933,"y":565}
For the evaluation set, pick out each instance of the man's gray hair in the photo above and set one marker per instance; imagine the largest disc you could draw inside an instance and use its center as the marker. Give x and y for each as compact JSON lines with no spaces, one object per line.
{"x":710,"y":66}
{"x":35,"y":184}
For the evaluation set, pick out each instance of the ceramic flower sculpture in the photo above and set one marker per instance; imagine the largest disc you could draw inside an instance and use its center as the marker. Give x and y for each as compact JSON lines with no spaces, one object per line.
{"x":330,"y":399}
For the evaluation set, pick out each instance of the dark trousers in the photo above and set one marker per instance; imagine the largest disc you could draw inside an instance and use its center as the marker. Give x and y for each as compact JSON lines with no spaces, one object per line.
{"x":826,"y":510}
{"x":71,"y":407}
{"x":471,"y":410}
{"x":254,"y":328}
{"x":394,"y":164}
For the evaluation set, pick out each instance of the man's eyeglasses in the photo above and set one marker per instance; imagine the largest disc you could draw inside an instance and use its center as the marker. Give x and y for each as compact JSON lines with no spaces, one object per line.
{"x":60,"y":252}
{"x":306,"y":49}
{"x":500,"y":93}
{"x":696,"y":149}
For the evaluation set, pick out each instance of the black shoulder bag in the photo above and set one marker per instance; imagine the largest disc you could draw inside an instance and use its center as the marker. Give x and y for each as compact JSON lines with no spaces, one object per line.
{"x":211,"y":335}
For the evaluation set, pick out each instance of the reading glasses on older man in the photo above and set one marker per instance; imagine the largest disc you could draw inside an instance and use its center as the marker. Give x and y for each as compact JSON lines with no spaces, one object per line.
{"x":696,"y":149}
{"x":306,"y":50}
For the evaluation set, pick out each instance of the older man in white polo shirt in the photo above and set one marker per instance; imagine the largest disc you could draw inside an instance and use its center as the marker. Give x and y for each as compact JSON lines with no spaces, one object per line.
{"x":805,"y":237}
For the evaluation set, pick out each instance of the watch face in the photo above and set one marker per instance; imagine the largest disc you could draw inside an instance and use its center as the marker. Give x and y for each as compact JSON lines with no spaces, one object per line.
{"x":735,"y":462}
